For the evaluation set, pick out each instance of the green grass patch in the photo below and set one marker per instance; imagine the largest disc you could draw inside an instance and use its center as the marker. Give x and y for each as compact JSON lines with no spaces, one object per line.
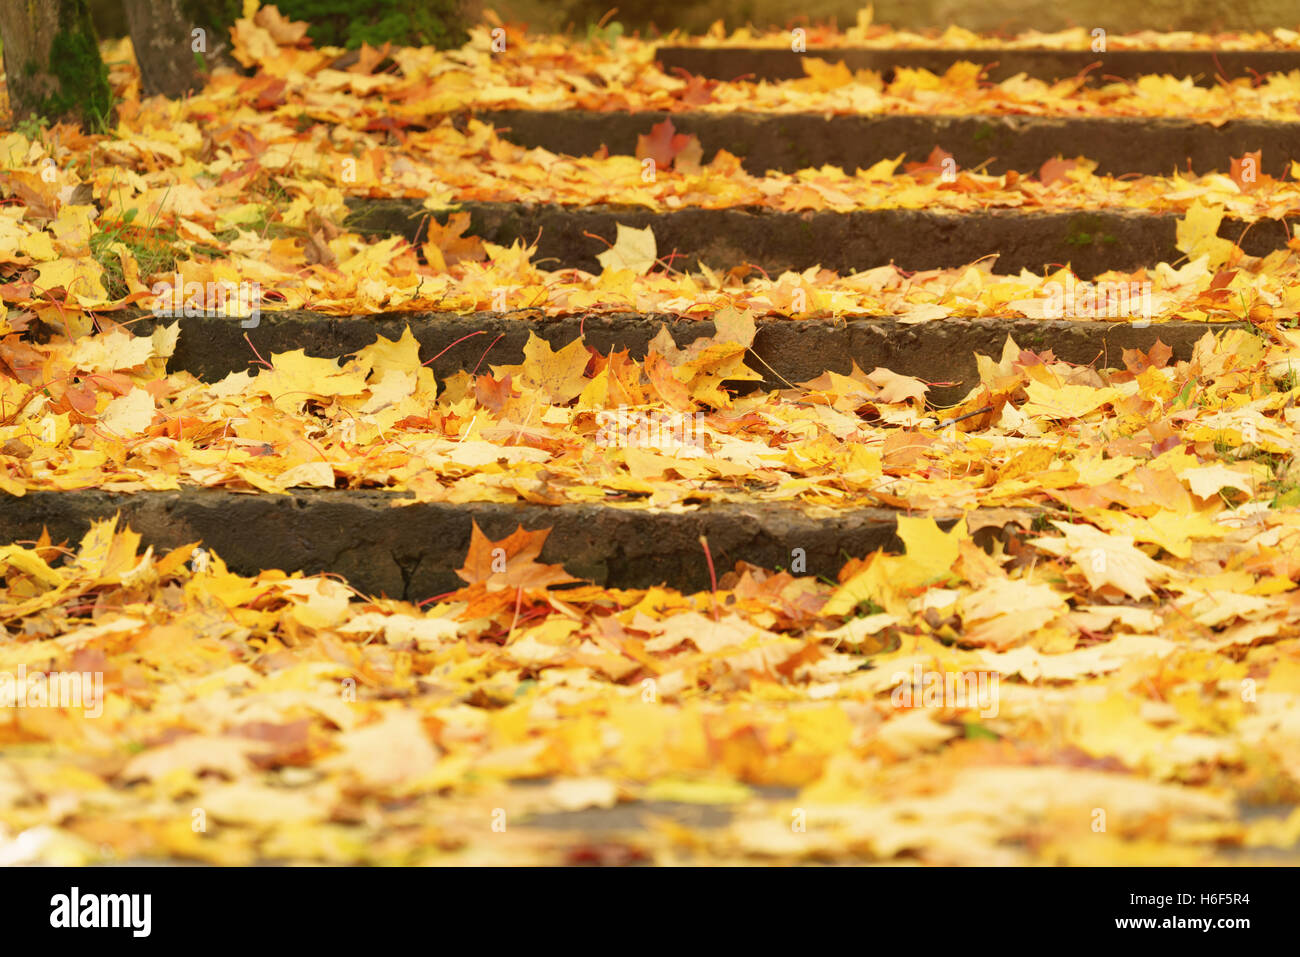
{"x":154,"y":251}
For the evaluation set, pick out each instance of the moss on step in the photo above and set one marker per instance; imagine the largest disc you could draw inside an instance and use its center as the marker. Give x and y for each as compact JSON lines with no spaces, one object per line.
{"x":1086,"y":229}
{"x":78,"y":71}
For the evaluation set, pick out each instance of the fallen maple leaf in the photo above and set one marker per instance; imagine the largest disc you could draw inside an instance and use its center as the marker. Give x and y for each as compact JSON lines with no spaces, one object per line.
{"x":510,"y":562}
{"x":1245,"y":169}
{"x":663,"y":144}
{"x":1107,"y":559}
{"x":284,"y":31}
{"x":447,"y":244}
{"x":934,"y":163}
{"x":897,"y":388}
{"x":1198,"y":234}
{"x":559,"y":373}
{"x":128,"y":415}
{"x":1056,"y":169}
{"x":633,"y":249}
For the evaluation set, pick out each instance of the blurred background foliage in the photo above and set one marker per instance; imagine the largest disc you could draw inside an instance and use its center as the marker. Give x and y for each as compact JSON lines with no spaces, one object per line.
{"x":348,"y":23}
{"x":339,"y":23}
{"x":1012,"y":16}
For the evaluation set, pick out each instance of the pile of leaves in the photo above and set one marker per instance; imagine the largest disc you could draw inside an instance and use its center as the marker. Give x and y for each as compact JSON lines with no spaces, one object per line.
{"x":283,"y":718}
{"x":555,"y":73}
{"x":247,"y":182}
{"x":865,"y":32}
{"x":95,"y":234}
{"x":1202,"y":437}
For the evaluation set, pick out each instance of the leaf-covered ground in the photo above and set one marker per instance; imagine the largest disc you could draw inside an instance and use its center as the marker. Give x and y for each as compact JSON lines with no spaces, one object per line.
{"x":1203,"y":437}
{"x":559,"y":73}
{"x":246,"y":182}
{"x":282,"y":718}
{"x":1098,"y":663}
{"x":866,"y":33}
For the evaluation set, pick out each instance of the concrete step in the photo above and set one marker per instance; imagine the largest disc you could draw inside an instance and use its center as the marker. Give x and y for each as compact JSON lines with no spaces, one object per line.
{"x":412,"y":552}
{"x":794,"y":141}
{"x":1092,"y":242}
{"x":1207,"y":67}
{"x":784,"y":351}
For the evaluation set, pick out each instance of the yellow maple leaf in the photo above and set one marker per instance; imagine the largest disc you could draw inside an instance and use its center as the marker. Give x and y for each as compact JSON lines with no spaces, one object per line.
{"x":1107,"y":559}
{"x":129,"y":414}
{"x":295,"y":377}
{"x":1065,"y":402}
{"x":82,"y":276}
{"x":1198,"y":234}
{"x":1206,"y":481}
{"x":930,"y":551}
{"x":556,"y":372}
{"x":897,"y":388}
{"x":930,"y":554}
{"x":1003,"y":612}
{"x":633,"y":249}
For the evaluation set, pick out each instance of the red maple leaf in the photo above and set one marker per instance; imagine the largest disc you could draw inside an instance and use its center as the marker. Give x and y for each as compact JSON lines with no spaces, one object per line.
{"x":662,"y":145}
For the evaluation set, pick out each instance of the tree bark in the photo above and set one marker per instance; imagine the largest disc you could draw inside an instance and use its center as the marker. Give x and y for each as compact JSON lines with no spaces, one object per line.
{"x":175,"y":42}
{"x":52,"y":63}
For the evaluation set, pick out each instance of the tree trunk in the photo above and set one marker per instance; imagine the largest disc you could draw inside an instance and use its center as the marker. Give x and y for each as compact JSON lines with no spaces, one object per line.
{"x":52,"y":63}
{"x":175,"y":41}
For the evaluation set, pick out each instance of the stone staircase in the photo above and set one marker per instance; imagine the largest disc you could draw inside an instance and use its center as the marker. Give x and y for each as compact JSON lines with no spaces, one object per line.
{"x":1205,"y":67}
{"x":411,"y":552}
{"x":996,"y":143}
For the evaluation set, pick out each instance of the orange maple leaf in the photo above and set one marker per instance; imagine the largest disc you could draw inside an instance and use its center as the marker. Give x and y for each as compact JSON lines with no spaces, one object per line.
{"x":510,"y":562}
{"x":1055,"y":169}
{"x":662,"y":145}
{"x":699,"y":91}
{"x":671,"y":389}
{"x":933,"y":163}
{"x":1245,"y":171}
{"x":450,"y":241}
